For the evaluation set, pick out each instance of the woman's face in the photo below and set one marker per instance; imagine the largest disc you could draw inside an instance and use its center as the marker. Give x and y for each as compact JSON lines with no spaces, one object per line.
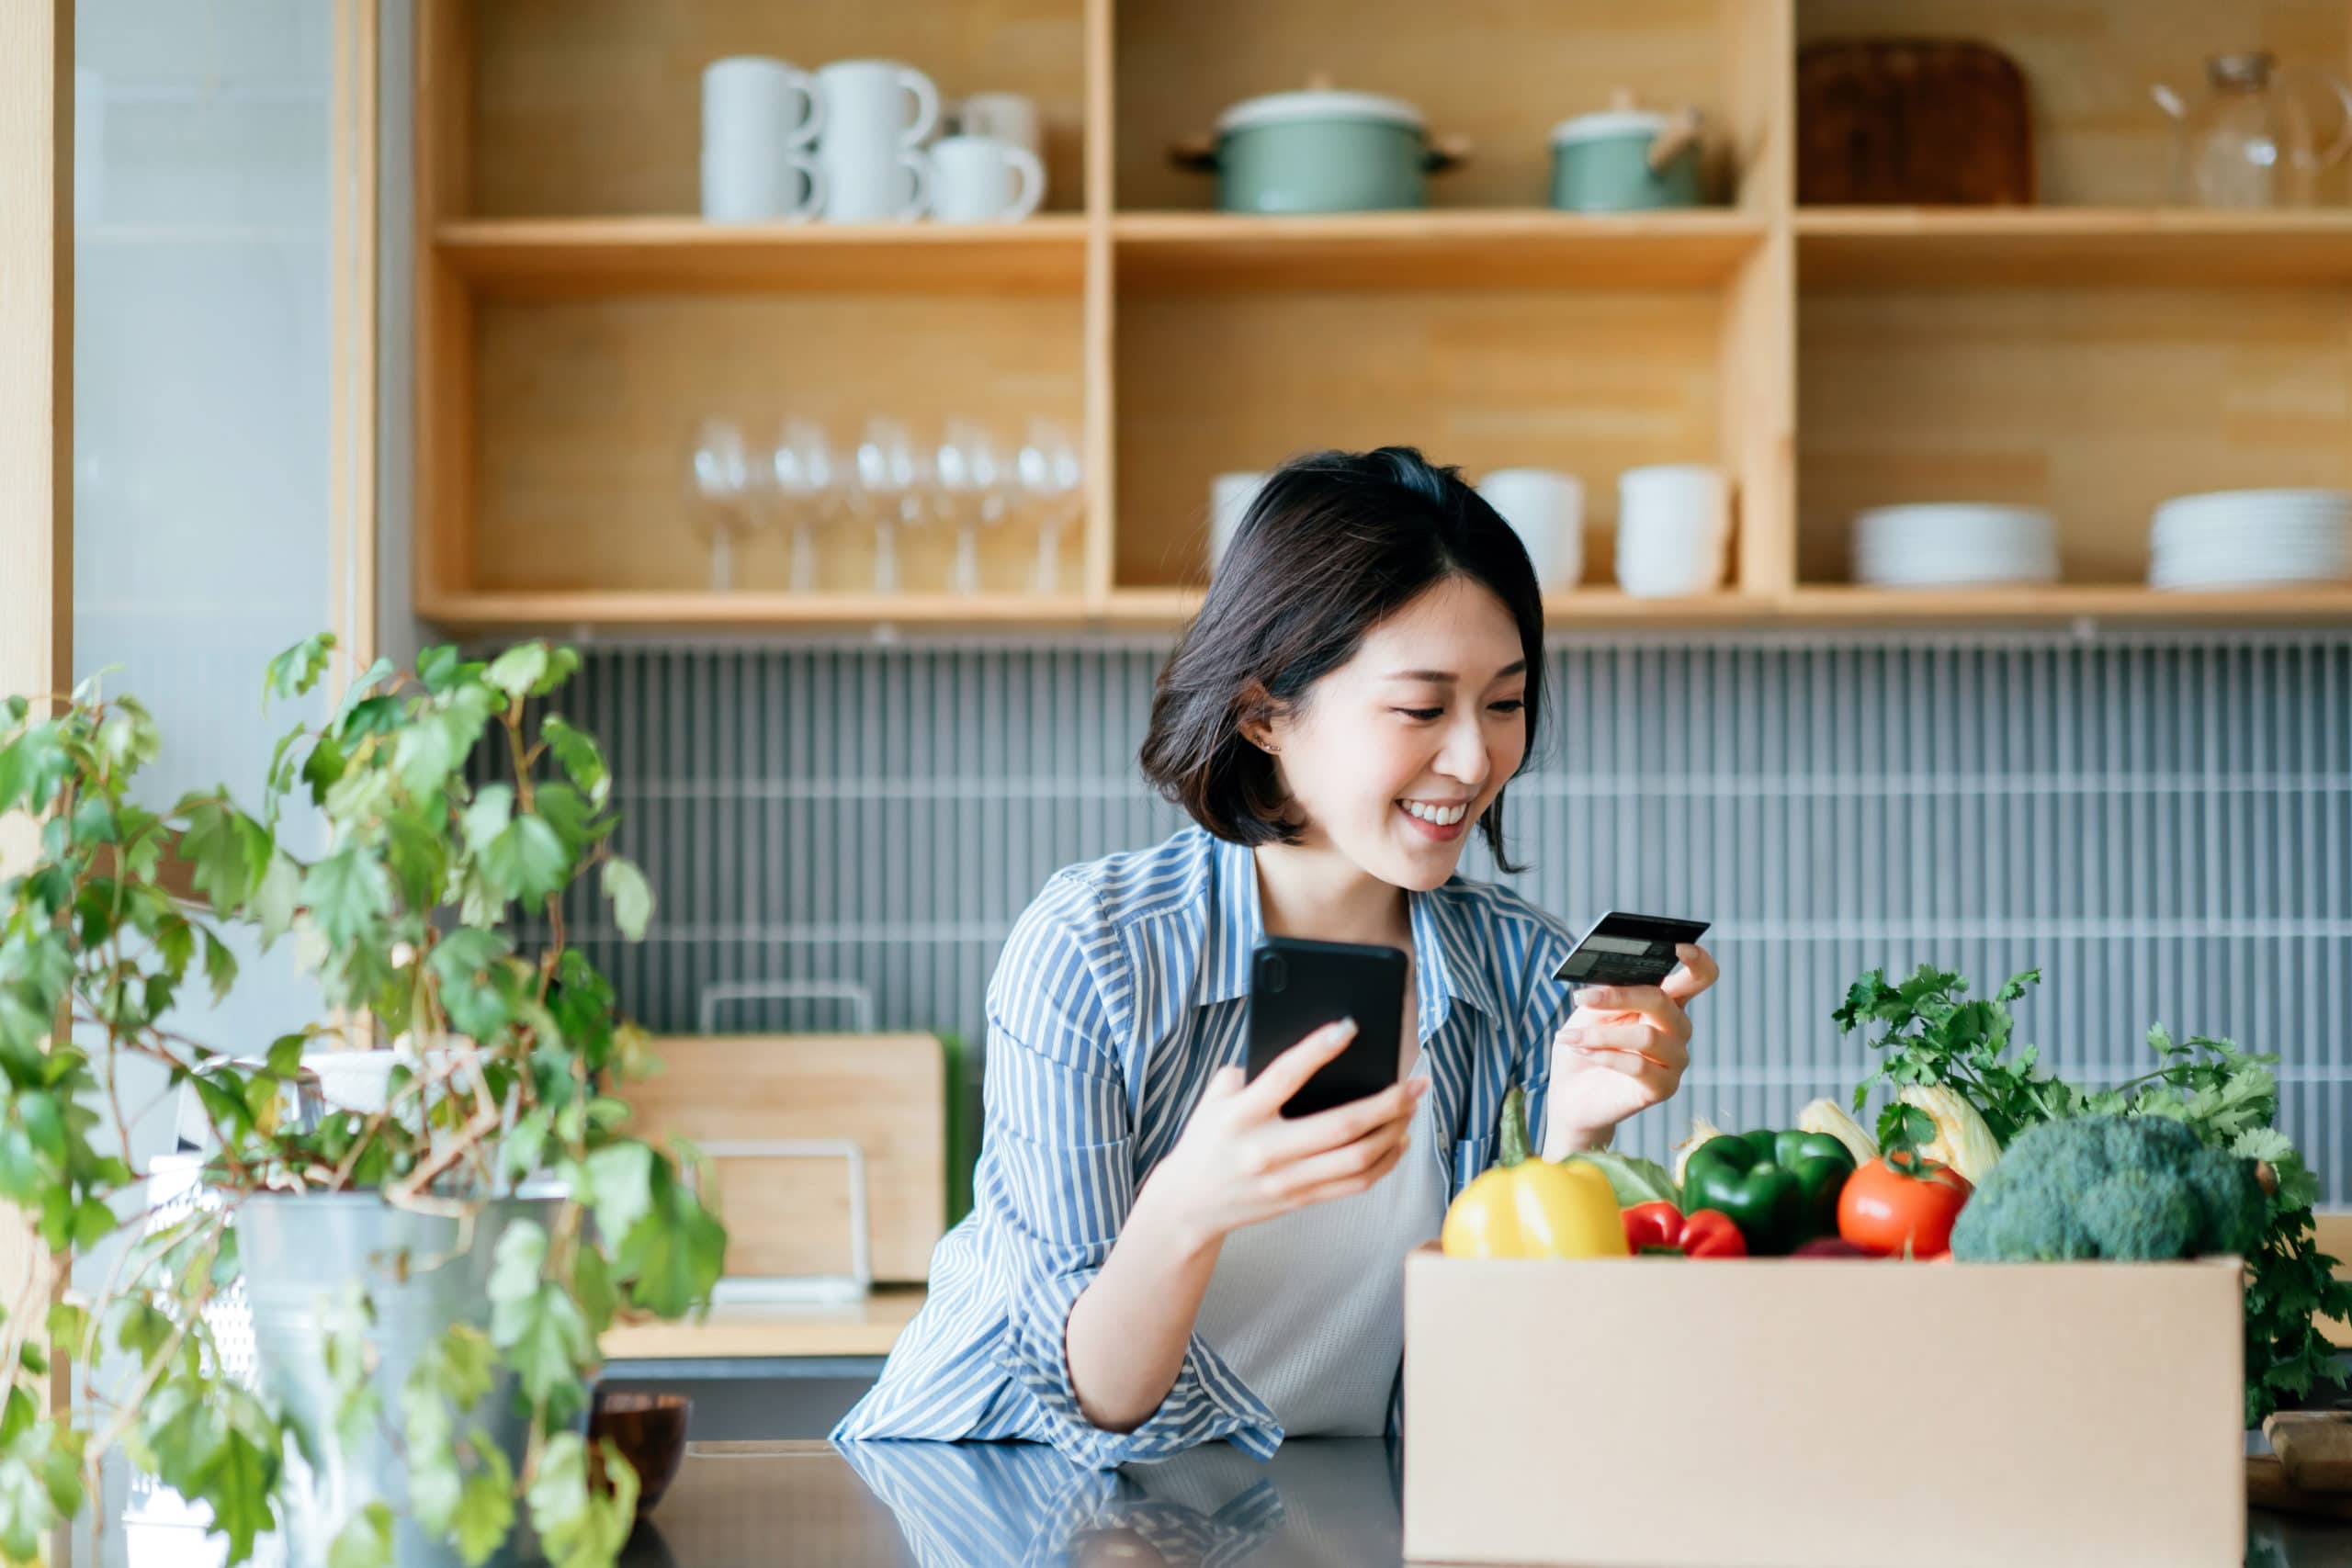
{"x":1396,"y":754}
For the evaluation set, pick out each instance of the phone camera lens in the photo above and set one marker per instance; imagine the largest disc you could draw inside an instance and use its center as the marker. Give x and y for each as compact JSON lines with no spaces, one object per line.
{"x":1272,"y":970}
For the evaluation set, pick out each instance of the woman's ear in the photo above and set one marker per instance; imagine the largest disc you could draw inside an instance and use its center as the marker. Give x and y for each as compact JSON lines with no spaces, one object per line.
{"x":1258,"y":712}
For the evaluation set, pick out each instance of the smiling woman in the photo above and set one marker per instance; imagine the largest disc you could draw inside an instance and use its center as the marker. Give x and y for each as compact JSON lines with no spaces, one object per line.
{"x":1156,"y":1256}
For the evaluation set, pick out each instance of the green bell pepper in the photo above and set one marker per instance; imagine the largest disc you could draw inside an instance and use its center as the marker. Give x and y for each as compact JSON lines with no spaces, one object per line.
{"x":1780,"y":1189}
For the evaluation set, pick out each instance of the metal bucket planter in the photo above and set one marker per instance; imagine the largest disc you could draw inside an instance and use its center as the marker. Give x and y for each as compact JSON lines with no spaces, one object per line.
{"x":298,"y":1253}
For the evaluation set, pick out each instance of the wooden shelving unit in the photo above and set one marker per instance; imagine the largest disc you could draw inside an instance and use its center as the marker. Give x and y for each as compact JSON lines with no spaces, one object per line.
{"x":544,"y":258}
{"x":2093,"y":356}
{"x":1502,"y":248}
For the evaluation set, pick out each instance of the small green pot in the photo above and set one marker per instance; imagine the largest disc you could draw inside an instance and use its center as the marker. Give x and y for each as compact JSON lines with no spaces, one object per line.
{"x":1320,"y":151}
{"x":1600,"y":162}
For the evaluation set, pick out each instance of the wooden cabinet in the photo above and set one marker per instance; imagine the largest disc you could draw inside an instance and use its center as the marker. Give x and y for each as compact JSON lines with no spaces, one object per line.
{"x":2093,"y":356}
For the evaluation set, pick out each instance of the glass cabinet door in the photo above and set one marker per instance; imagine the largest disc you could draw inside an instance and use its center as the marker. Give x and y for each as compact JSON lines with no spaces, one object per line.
{"x":221,"y":370}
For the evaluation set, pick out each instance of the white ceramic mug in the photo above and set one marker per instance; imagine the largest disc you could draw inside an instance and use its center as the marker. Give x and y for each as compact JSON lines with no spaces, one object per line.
{"x":1673,"y":528}
{"x":875,"y":185}
{"x":755,"y":111}
{"x":781,"y":185}
{"x":873,"y":104}
{"x":1229,"y":499}
{"x":758,"y":99}
{"x":1007,"y":117}
{"x":978,"y":180}
{"x":1546,"y":509}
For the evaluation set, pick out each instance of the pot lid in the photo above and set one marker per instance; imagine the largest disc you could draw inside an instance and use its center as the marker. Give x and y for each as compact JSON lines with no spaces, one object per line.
{"x":1610,"y":122}
{"x":1314,"y":103}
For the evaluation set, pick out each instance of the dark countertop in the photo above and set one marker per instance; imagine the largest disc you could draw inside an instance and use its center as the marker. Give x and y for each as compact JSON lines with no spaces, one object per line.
{"x":1321,"y":1501}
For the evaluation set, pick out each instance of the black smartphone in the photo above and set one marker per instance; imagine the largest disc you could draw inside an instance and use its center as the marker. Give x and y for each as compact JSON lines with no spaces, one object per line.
{"x":1627,"y":950}
{"x":1297,"y":987}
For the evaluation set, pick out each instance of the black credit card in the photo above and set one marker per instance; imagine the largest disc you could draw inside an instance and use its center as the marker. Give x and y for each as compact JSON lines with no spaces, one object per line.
{"x":1627,"y":950}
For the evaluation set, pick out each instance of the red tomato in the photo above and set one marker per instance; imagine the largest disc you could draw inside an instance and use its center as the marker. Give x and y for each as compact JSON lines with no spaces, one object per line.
{"x":1884,"y":1208}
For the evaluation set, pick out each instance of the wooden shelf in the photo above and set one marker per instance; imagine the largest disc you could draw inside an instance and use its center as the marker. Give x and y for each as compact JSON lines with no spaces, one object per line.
{"x":2115,"y":247}
{"x":492,"y":610}
{"x":865,"y":1328}
{"x":608,"y":255}
{"x":1831,"y":602}
{"x":1495,"y":248}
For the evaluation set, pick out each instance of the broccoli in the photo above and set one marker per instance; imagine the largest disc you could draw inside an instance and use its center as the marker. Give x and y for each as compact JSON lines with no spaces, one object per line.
{"x":2136,"y":1187}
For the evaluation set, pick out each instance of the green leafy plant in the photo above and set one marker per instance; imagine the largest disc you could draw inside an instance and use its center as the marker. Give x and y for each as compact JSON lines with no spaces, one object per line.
{"x":407,"y":917}
{"x":1930,"y":1033}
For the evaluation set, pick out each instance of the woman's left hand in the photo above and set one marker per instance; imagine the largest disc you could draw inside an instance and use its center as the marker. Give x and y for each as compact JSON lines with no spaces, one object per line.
{"x":1597,"y":1078}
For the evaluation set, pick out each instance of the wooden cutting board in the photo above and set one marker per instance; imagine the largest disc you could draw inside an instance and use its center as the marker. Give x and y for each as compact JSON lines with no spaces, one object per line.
{"x":886,"y":1092}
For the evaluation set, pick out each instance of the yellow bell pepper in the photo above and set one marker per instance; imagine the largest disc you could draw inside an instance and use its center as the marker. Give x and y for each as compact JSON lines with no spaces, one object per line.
{"x":1535,"y":1209}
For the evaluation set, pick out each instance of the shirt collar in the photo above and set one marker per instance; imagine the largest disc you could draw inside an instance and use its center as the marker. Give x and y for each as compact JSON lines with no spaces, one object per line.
{"x":1447,"y":964}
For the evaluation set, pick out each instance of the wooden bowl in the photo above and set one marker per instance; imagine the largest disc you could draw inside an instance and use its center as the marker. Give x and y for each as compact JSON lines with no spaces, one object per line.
{"x":649,"y":1429}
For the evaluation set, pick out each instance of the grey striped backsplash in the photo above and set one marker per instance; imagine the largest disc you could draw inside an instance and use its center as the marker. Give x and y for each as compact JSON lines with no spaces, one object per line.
{"x":2165,"y":827}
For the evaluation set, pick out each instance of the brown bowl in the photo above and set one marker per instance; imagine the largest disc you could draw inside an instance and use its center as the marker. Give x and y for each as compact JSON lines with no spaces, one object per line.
{"x":649,"y":1429}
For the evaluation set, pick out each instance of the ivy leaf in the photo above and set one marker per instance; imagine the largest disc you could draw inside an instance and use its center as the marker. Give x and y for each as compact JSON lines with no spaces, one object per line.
{"x":220,"y":967}
{"x":127,"y":735}
{"x":486,"y":1507}
{"x":592,"y":1287}
{"x":275,"y":901}
{"x":357,"y":692}
{"x":238,"y":1490}
{"x":295,"y":672}
{"x":348,"y":893}
{"x":626,"y":886}
{"x":673,"y":1256}
{"x":546,"y":1342}
{"x":429,"y":750}
{"x":228,"y":850}
{"x":581,"y":761}
{"x":439,"y":668}
{"x":285,"y":1058}
{"x":27,"y":1512}
{"x":517,"y":670}
{"x":93,"y":821}
{"x":323,"y":768}
{"x":563,"y":809}
{"x":576,"y":1527}
{"x":459,"y":1366}
{"x":465,"y":964}
{"x":534,"y":1323}
{"x":621,"y":1177}
{"x":526,"y":860}
{"x":32,"y":766}
{"x":365,"y":1540}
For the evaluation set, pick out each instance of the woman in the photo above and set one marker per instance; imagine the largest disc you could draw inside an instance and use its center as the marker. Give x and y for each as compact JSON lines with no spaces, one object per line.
{"x":1157,"y":1258}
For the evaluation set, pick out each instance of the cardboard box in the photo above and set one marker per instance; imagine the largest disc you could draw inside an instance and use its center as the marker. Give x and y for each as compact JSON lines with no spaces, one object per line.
{"x":1822,"y":1412}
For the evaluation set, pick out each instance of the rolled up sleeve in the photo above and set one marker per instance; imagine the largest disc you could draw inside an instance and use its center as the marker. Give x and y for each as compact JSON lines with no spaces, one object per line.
{"x":1060,"y":1131}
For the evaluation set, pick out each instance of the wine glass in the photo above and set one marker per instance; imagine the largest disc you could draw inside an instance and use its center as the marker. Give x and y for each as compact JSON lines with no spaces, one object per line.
{"x":720,"y":476}
{"x":973,"y":479}
{"x":890,"y":473}
{"x":807,"y":482}
{"x":1048,"y":473}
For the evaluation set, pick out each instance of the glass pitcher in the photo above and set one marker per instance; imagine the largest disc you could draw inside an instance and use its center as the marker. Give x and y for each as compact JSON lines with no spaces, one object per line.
{"x":2255,"y":138}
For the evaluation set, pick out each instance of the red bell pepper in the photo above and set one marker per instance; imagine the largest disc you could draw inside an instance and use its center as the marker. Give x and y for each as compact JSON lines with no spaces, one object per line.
{"x":1652,"y":1224}
{"x":1710,"y":1232}
{"x":1659,"y":1226}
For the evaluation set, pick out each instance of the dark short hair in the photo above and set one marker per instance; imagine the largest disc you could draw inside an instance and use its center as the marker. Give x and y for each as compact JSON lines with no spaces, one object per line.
{"x":1335,"y":543}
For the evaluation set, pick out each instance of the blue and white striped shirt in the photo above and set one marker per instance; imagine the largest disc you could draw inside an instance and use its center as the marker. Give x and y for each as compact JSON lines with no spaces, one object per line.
{"x":1121,"y":990}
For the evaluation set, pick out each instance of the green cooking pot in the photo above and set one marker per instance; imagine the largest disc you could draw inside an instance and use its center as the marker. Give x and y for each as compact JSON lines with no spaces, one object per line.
{"x":1320,"y":151}
{"x":1626,"y":160}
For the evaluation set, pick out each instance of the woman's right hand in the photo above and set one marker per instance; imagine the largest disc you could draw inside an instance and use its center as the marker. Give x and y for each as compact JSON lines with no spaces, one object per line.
{"x":1241,"y":1160}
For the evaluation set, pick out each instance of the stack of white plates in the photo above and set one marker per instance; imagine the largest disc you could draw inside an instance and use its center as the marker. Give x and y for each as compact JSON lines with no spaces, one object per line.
{"x":2237,"y":538}
{"x":1953,"y":544}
